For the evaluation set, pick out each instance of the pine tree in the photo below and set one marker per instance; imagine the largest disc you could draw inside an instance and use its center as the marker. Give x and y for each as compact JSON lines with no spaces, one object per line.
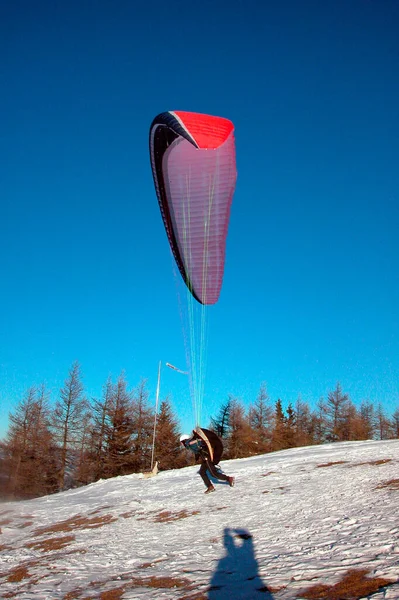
{"x":279,"y":430}
{"x":290,"y":428}
{"x":167,"y":446}
{"x":119,"y":433}
{"x":260,"y":417}
{"x":337,"y":404}
{"x":221,"y":423}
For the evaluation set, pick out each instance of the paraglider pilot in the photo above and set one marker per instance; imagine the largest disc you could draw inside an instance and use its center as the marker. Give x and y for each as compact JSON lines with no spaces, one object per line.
{"x":209,"y":456}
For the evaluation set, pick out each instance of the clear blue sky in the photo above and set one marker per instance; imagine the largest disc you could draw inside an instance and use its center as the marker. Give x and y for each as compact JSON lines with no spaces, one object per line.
{"x":311,"y":288}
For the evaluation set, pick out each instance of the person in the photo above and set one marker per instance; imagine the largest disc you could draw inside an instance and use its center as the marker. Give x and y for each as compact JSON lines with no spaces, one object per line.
{"x":208,"y":455}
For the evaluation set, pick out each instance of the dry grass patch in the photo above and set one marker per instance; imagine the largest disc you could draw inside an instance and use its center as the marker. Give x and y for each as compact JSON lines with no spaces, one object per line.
{"x":134,"y":582}
{"x":392,"y":484}
{"x":8,"y":595}
{"x":26,"y":524}
{"x":128,"y":515}
{"x":381,"y":461}
{"x":331,"y":464}
{"x":148,"y":565}
{"x":115,"y":594}
{"x":18,"y":574}
{"x":27,"y":564}
{"x":267,"y":474}
{"x":353,"y":585}
{"x":166,"y":516}
{"x":77,"y":593}
{"x":74,"y":595}
{"x":52,"y":543}
{"x":77,"y":522}
{"x":101,"y":508}
{"x":161,"y":582}
{"x":5,"y":522}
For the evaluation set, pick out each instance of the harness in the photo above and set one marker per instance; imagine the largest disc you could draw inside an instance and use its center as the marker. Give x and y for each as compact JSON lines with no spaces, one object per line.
{"x":195,"y":445}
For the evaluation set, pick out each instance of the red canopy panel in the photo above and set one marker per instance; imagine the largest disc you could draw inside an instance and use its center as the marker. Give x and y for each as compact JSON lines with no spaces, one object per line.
{"x":194,"y":167}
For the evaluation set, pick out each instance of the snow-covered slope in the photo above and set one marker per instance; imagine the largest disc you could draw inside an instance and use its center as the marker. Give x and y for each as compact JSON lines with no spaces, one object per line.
{"x":293,"y":520}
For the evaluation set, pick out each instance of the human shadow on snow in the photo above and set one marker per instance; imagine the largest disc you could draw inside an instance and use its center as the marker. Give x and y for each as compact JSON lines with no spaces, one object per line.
{"x":236,"y":576}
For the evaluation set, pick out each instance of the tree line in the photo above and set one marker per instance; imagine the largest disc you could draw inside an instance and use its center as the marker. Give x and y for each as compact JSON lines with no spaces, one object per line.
{"x":267,"y":427}
{"x":76,"y":442}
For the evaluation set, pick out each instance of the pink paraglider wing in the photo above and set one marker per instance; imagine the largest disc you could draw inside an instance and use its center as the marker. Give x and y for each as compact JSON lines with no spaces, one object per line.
{"x":194,"y":168}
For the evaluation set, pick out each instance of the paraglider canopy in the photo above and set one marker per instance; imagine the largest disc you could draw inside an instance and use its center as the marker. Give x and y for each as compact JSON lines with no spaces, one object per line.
{"x":194,"y":168}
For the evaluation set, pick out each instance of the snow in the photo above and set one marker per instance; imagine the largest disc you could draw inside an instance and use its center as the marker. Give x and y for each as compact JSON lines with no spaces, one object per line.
{"x":292,"y":520}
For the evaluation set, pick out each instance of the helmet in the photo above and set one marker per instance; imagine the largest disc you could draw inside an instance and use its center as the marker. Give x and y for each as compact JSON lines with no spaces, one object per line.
{"x":184,"y":437}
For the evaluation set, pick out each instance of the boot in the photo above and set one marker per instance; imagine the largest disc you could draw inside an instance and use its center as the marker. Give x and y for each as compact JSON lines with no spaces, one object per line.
{"x":209,"y":489}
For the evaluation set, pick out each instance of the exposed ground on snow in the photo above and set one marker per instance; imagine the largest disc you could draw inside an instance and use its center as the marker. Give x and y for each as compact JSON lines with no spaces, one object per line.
{"x":307,"y":523}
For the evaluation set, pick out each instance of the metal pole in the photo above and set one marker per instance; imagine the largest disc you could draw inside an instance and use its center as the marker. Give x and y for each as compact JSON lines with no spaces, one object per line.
{"x":155,"y":417}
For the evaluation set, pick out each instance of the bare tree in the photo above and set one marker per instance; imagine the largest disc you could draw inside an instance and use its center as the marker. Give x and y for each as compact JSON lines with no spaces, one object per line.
{"x":304,"y":424}
{"x":83,"y":471}
{"x":395,"y":423}
{"x":17,"y":441}
{"x":320,"y":422}
{"x":384,"y":430}
{"x":143,"y":419}
{"x":363,"y":422}
{"x":67,"y":419}
{"x":101,"y":409}
{"x":241,"y":441}
{"x":28,"y":447}
{"x":349,"y":428}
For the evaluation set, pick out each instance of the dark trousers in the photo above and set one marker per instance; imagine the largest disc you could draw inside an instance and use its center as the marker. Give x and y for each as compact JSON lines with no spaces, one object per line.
{"x":207,"y":465}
